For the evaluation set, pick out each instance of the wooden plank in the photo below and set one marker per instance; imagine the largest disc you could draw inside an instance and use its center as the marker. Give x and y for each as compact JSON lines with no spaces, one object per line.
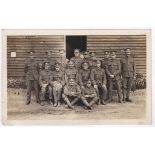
{"x":34,"y":36}
{"x":116,"y":37}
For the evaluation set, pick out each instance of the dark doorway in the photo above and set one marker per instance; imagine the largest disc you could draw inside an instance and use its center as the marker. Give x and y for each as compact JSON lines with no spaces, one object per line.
{"x":73,"y":42}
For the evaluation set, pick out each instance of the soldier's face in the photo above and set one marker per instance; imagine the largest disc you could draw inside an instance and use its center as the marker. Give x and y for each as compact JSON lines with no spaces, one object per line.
{"x":106,"y":55}
{"x":89,"y":84}
{"x":47,"y":66}
{"x":128,"y":52}
{"x":31,"y":56}
{"x":57,"y":68}
{"x":98,"y":65}
{"x":86,"y":55}
{"x":71,"y":65}
{"x":48,"y":54}
{"x":93,"y":55}
{"x":61,"y":53}
{"x":71,"y":82}
{"x":113,"y":55}
{"x":81,"y":56}
{"x":76,"y":53}
{"x":85,"y":66}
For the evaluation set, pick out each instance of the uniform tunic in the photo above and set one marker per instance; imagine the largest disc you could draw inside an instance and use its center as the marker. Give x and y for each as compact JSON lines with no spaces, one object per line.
{"x":50,"y":61}
{"x":98,"y":76}
{"x":128,"y":67}
{"x":44,"y":80}
{"x":84,"y":75}
{"x":89,"y":91}
{"x":77,"y":62}
{"x":31,"y":69}
{"x":69,"y":89}
{"x":57,"y":76}
{"x":71,"y":73}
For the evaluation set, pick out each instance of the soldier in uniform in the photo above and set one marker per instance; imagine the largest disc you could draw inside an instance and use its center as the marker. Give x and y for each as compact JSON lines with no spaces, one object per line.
{"x":84,"y":74}
{"x":113,"y":70}
{"x":71,"y":72}
{"x":98,"y":77}
{"x":71,"y":93}
{"x":86,"y":55}
{"x":57,"y":81}
{"x":62,"y":59}
{"x":77,"y":59}
{"x":31,"y":70}
{"x":89,"y":96}
{"x":128,"y":74}
{"x":49,"y":60}
{"x":44,"y":82}
{"x":105,"y":61}
{"x":92,"y":60}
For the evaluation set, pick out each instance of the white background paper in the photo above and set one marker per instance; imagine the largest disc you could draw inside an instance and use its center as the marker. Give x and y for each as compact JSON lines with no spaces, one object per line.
{"x":77,"y":140}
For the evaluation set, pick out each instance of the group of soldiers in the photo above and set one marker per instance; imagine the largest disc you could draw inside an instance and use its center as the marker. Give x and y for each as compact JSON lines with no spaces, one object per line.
{"x":83,"y":78}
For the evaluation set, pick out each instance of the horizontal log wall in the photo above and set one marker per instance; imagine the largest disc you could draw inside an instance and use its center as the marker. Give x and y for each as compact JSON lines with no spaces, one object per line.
{"x":96,"y":43}
{"x":22,"y":44}
{"x":137,"y":43}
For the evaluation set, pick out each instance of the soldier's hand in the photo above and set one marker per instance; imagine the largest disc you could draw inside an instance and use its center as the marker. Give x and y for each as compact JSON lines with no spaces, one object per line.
{"x":95,"y":86}
{"x":112,"y":76}
{"x":82,"y":87}
{"x":104,"y":85}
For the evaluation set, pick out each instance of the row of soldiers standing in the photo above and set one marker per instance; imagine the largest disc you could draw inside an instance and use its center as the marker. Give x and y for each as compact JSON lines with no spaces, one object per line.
{"x":86,"y":78}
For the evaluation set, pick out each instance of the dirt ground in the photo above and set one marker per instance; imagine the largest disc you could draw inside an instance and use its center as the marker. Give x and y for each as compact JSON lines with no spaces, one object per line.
{"x":17,"y":110}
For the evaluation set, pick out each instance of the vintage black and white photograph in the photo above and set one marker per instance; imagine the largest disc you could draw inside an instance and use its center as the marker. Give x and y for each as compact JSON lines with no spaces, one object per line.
{"x":76,"y":76}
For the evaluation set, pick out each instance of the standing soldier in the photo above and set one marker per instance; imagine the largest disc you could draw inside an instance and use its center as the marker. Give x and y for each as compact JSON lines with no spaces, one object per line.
{"x":128,"y":74}
{"x":44,"y":82}
{"x":62,"y":59}
{"x":113,"y":70}
{"x":49,"y":60}
{"x":106,"y":59}
{"x":32,"y":75}
{"x":71,"y":93}
{"x":86,"y":56}
{"x":57,"y":81}
{"x":84,"y":74}
{"x":77,"y":59}
{"x":105,"y":62}
{"x":89,"y":96}
{"x":92,"y":60}
{"x":71,"y":72}
{"x":98,"y":77}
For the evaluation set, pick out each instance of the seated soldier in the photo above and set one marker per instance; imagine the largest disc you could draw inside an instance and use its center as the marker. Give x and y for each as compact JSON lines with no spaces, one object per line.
{"x":71,"y":93}
{"x":44,"y":82}
{"x":71,"y":72}
{"x":57,"y":81}
{"x":98,"y":77}
{"x":84,"y":74}
{"x":89,"y":95}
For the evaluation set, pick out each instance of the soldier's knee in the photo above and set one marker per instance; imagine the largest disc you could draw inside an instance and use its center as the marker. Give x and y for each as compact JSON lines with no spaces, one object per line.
{"x":96,"y":98}
{"x":63,"y":96}
{"x":43,"y":89}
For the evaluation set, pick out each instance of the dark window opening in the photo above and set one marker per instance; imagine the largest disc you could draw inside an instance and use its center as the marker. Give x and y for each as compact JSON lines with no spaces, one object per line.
{"x":73,"y":42}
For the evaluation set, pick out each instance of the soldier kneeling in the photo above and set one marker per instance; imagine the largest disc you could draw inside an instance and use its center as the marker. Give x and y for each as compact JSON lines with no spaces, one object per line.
{"x":71,"y":94}
{"x":89,"y":96}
